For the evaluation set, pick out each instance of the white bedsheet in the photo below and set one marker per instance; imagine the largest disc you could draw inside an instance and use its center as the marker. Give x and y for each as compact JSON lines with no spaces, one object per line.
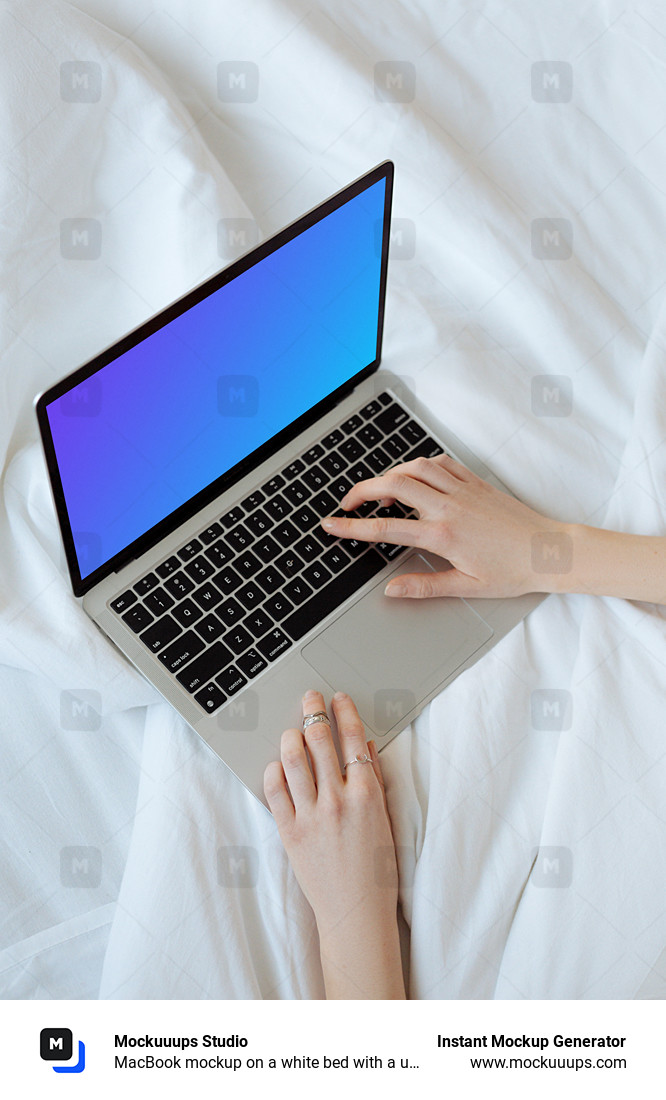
{"x":473,"y":317}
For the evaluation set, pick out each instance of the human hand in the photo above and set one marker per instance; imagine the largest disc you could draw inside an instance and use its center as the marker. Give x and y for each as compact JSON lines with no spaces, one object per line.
{"x":337,"y":834}
{"x":486,"y":535}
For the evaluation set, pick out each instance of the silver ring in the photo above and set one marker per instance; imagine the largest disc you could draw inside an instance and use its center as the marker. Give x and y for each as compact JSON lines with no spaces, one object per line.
{"x":360,"y":758}
{"x":316,"y":716}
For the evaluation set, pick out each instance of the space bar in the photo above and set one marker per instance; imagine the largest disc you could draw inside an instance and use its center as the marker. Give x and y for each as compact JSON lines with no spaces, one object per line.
{"x":311,"y":613}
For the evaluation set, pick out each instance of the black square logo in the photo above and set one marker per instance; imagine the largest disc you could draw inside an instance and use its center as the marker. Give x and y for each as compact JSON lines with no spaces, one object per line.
{"x":55,"y":1044}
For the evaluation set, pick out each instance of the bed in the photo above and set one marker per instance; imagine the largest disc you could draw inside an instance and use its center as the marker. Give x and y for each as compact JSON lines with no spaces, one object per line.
{"x":525,"y":306}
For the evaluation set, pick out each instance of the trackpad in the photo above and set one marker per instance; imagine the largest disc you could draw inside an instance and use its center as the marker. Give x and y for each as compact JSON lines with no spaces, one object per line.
{"x":390,"y":654}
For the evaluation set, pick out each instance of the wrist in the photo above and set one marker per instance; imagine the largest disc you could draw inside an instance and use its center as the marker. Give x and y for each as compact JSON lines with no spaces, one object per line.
{"x":363,"y":963}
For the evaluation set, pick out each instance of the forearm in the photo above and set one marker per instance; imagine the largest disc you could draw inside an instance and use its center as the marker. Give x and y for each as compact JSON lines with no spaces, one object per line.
{"x":611,"y":563}
{"x":365,"y":964}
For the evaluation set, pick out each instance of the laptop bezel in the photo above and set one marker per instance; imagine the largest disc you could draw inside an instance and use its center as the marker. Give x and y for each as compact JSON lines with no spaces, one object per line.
{"x":161,"y":530}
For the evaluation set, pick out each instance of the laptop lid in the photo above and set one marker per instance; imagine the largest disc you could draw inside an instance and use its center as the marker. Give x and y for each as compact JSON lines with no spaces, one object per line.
{"x":149,"y":431}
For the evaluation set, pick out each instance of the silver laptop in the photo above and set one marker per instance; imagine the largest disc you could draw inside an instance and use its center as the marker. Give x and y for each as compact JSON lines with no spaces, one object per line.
{"x":191,"y":463}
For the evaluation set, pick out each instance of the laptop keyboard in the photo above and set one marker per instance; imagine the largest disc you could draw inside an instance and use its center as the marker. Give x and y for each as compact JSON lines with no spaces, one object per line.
{"x":232,"y":600}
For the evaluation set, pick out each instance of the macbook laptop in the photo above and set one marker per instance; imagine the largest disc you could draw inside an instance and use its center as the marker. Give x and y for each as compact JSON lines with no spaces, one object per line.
{"x":191,"y":463}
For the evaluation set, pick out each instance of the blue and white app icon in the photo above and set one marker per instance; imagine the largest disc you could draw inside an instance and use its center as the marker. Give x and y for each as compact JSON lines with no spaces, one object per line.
{"x":56,"y":1045}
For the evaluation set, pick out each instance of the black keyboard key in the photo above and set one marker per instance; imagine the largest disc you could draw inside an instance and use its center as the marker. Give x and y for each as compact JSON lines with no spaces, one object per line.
{"x":121,"y":603}
{"x":378,"y":460}
{"x":370,"y":410}
{"x":333,"y":439}
{"x":278,"y":606}
{"x":219,"y":553}
{"x":192,"y":548}
{"x":247,"y":564}
{"x":227,"y":581}
{"x":250,"y":595}
{"x":314,"y":454}
{"x":160,"y":633}
{"x":324,"y":504}
{"x":352,"y":425}
{"x":427,"y":448}
{"x":396,"y":446}
{"x":294,"y":469}
{"x":138,"y":618}
{"x":258,"y":623}
{"x":208,"y":596}
{"x":178,"y":585}
{"x":276,"y":483}
{"x":231,"y":518}
{"x":335,"y":559}
{"x":158,"y":601}
{"x":238,"y":639}
{"x":267,"y":549}
{"x":308,"y":548}
{"x":297,"y":590}
{"x":290,"y":564}
{"x":334,"y":463}
{"x":171,"y":565}
{"x":351,"y":449}
{"x":259,"y":523}
{"x":286,"y":533}
{"x":252,"y":663}
{"x":200,"y":569}
{"x":384,"y":398}
{"x":206,"y":666}
{"x":311,"y":613}
{"x":270,"y":580}
{"x":273,"y":644}
{"x":254,"y":500}
{"x":189,"y":645}
{"x":354,"y":547}
{"x":297,"y":493}
{"x":389,"y":550}
{"x":359,"y":472}
{"x":187,"y":612}
{"x":316,"y":575}
{"x":315,"y":478}
{"x":210,"y":628}
{"x":239,"y":537}
{"x":210,"y":698}
{"x":278,"y":507}
{"x":145,"y":584}
{"x":339,"y":487}
{"x":210,"y":534}
{"x":391,"y":418}
{"x":231,"y":680}
{"x":412,"y":431}
{"x":305,"y":518}
{"x":230,"y":612}
{"x":369,"y":436}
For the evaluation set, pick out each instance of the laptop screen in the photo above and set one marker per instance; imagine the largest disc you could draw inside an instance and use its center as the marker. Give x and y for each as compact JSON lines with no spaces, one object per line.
{"x":159,"y":423}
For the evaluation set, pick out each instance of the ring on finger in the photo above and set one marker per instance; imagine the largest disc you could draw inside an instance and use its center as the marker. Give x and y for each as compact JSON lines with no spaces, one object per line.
{"x":360,"y":758}
{"x":316,"y":716}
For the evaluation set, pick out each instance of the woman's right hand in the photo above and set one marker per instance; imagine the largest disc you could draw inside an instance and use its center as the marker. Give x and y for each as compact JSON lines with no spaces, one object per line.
{"x":492,"y":540}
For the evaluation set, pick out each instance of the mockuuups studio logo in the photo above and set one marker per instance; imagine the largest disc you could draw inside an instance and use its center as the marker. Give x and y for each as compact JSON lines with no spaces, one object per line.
{"x":237,"y":395}
{"x":391,"y":706}
{"x":552,"y":395}
{"x":395,"y":81}
{"x":80,"y":710}
{"x":552,"y":81}
{"x":552,"y":709}
{"x":552,"y":867}
{"x":80,"y":81}
{"x":236,"y":236}
{"x":552,"y":552}
{"x":237,"y":866}
{"x":80,"y":239}
{"x":80,"y":866}
{"x":241,"y":713}
{"x":56,"y":1045}
{"x":402,"y":238}
{"x":552,"y":238}
{"x":237,"y":81}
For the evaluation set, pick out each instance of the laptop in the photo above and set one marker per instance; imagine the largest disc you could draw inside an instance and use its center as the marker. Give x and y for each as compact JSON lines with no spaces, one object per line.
{"x":191,"y":462}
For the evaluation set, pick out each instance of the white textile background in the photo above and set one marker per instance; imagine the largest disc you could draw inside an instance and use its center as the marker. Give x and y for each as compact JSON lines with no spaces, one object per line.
{"x":498,"y":116}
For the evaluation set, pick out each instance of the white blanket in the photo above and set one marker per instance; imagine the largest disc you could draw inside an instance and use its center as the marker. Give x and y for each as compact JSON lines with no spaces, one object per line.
{"x":112,"y":113}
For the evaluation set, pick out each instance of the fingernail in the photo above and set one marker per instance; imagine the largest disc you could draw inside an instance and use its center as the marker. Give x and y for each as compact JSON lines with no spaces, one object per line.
{"x":395,"y":590}
{"x":309,"y":693}
{"x":328,"y":523}
{"x":339,"y":695}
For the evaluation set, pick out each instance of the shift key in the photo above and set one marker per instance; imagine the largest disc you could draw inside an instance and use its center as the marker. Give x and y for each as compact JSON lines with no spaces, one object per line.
{"x":206,"y":666}
{"x":182,"y":651}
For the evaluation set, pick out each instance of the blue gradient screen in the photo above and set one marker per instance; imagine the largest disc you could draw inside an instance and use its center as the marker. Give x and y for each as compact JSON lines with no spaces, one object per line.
{"x":150,"y":430}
